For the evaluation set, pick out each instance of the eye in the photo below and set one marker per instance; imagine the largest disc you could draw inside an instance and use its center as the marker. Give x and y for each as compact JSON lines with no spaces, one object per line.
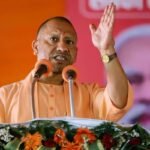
{"x":54,"y":38}
{"x":69,"y":42}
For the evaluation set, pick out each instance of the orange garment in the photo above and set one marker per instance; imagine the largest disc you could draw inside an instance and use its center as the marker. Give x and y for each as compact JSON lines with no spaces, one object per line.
{"x":91,"y":101}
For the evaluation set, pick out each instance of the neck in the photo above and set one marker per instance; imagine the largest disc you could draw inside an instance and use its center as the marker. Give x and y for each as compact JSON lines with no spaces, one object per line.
{"x":54,"y":79}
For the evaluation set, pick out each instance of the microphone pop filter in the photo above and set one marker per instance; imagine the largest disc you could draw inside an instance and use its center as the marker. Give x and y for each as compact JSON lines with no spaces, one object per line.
{"x":42,"y":67}
{"x":69,"y":72}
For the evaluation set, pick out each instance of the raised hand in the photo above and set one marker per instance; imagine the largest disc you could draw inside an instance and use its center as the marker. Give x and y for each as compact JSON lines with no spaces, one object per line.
{"x":102,"y":34}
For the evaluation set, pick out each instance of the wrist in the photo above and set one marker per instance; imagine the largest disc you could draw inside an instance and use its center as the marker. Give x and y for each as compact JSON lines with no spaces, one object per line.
{"x":108,"y":51}
{"x":106,"y":58}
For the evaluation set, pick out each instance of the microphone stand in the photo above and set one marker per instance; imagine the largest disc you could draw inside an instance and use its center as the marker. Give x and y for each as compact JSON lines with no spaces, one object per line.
{"x":43,"y":66}
{"x":69,"y":75}
{"x":71,"y":98}
{"x":33,"y":98}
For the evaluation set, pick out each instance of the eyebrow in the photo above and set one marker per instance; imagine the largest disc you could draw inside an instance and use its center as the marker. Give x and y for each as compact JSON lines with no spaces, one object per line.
{"x":67,"y":35}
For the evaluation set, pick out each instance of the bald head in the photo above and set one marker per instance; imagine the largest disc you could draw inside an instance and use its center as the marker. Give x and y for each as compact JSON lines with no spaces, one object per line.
{"x":57,"y":18}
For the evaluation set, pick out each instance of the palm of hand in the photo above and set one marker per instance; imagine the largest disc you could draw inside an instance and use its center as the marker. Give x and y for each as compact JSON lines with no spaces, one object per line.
{"x":102,"y":35}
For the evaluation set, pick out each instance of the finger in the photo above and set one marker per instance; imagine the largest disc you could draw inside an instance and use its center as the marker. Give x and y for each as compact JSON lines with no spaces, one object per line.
{"x":105,"y":10}
{"x":111,"y":10}
{"x":92,"y":28}
{"x":104,"y":14}
{"x":112,"y":16}
{"x":110,"y":24}
{"x":109,"y":14}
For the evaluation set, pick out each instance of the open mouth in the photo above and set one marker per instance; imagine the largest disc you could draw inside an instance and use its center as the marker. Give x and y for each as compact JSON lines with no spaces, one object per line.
{"x":60,"y":58}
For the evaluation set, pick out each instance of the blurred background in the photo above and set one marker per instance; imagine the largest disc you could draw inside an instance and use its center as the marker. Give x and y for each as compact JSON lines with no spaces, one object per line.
{"x":19,"y":21}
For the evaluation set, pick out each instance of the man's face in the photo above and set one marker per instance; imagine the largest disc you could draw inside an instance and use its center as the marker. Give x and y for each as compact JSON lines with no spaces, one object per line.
{"x":56,"y":42}
{"x":135,"y":58}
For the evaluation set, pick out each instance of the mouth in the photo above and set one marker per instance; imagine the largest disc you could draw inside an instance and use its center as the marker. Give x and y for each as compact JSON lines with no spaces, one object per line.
{"x":60,"y":58}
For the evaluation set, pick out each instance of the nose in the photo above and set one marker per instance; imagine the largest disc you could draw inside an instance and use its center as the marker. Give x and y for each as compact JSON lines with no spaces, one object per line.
{"x":61,"y":46}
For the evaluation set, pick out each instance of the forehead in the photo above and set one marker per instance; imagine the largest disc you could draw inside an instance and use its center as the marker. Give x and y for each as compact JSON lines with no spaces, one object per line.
{"x":58,"y":26}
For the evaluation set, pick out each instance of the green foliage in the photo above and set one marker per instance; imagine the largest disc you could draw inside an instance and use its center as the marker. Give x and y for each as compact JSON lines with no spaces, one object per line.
{"x":108,"y":134}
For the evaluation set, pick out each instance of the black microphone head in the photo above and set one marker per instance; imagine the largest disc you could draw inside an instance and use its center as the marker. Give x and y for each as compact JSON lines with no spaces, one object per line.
{"x":42,"y":67}
{"x":41,"y":70}
{"x":69,"y":72}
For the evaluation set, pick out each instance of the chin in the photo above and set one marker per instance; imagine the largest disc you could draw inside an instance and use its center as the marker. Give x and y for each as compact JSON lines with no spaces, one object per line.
{"x":59,"y":66}
{"x":58,"y":69}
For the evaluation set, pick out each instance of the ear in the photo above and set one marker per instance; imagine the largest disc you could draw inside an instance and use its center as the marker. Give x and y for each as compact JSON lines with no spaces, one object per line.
{"x":34,"y":47}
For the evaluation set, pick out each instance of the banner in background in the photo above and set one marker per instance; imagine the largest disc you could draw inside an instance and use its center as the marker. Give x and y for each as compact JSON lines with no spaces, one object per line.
{"x":132,"y":42}
{"x":84,"y":12}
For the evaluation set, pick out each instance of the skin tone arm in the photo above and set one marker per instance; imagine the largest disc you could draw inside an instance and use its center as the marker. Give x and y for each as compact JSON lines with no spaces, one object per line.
{"x":102,"y":39}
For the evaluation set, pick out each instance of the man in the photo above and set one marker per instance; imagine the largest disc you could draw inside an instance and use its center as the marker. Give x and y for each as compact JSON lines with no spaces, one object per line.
{"x":56,"y":41}
{"x":133,"y":50}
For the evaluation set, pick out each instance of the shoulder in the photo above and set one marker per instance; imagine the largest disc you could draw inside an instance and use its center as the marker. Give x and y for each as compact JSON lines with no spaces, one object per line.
{"x":10,"y":87}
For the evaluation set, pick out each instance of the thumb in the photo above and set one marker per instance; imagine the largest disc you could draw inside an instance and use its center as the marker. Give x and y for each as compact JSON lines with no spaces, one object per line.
{"x":92,"y":28}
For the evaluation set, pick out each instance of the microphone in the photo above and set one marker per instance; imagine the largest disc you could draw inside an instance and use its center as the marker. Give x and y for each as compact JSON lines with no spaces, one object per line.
{"x":42,"y":67}
{"x":69,"y":74}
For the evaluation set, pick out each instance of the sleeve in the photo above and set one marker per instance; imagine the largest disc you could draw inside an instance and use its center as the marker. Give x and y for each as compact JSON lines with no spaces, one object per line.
{"x":2,"y":109}
{"x":104,"y":108}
